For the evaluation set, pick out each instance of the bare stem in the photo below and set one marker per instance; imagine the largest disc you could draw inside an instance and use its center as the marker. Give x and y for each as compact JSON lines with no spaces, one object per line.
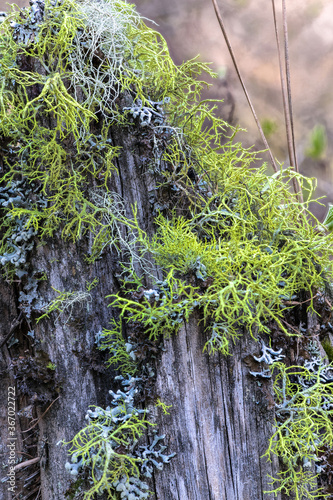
{"x":220,"y":20}
{"x":284,"y":90}
{"x":287,"y":63}
{"x":293,"y":158}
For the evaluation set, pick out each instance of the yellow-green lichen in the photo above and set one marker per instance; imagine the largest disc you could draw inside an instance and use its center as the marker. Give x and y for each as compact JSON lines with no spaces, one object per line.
{"x":239,"y":257}
{"x":232,"y":242}
{"x":304,"y":410}
{"x":55,"y":76}
{"x":122,"y":354}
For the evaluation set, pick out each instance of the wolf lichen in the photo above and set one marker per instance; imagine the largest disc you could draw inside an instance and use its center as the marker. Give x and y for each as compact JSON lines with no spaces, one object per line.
{"x":122,"y":353}
{"x":304,"y":410}
{"x":232,"y":243}
{"x":239,"y":256}
{"x":108,"y":446}
{"x":79,"y":64}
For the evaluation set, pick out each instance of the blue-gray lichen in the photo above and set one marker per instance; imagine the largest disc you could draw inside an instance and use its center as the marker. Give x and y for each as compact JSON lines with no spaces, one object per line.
{"x":108,"y":447}
{"x":269,"y":357}
{"x":17,"y":196}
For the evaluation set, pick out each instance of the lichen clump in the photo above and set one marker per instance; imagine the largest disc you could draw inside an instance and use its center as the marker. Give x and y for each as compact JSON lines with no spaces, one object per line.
{"x":232,"y":242}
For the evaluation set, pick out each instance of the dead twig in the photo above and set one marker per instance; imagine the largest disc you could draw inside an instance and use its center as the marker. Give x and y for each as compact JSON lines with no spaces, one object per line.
{"x":292,"y":153}
{"x":231,"y":52}
{"x":291,"y":327}
{"x":283,"y":88}
{"x":40,"y":418}
{"x":287,"y":63}
{"x":296,"y":303}
{"x":27,"y":463}
{"x":11,"y":331}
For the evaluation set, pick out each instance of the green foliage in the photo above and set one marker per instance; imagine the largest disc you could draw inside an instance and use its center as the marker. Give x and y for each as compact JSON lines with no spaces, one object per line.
{"x":304,"y":409}
{"x":122,"y":354}
{"x":269,"y":127}
{"x":317,"y":143}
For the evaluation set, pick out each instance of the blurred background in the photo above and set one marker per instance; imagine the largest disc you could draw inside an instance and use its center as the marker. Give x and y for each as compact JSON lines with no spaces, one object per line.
{"x":191,"y":28}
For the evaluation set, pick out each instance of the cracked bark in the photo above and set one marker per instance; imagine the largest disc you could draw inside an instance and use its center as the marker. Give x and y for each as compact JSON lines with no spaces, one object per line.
{"x":217,"y":401}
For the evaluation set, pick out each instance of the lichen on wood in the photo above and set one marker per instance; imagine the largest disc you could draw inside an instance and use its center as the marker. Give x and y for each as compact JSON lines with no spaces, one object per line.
{"x":230,"y":243}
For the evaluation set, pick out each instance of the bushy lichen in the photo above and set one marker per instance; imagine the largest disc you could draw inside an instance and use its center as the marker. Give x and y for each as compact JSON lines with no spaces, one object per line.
{"x":79,"y":64}
{"x":304,"y":410}
{"x":239,"y":257}
{"x":108,"y":447}
{"x":64,"y":304}
{"x":233,"y":243}
{"x":122,"y":353}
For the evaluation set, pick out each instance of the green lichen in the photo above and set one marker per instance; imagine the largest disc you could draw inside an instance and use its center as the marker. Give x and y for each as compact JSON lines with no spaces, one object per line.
{"x":239,"y":257}
{"x":64,"y":304}
{"x":79,"y":64}
{"x":164,"y":407}
{"x":106,"y":445}
{"x":233,"y":243}
{"x":122,"y":353}
{"x":304,"y":410}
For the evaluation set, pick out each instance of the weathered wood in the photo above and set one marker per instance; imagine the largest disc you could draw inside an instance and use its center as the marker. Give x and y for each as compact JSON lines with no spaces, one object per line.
{"x":219,"y":423}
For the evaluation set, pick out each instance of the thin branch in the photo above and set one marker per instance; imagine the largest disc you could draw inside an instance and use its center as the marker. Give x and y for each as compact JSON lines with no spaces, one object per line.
{"x":40,"y":418}
{"x":287,"y":63}
{"x":27,"y":463}
{"x":11,"y":331}
{"x":291,"y":327}
{"x":296,"y":303}
{"x":293,"y":158}
{"x":220,"y":20}
{"x":284,"y":90}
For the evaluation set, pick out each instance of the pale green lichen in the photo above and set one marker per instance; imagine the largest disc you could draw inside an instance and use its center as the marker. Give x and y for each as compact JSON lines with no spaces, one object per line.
{"x":304,"y":410}
{"x":247,"y":251}
{"x":108,"y":447}
{"x":55,"y":103}
{"x":234,"y":243}
{"x":122,"y":353}
{"x":107,"y":443}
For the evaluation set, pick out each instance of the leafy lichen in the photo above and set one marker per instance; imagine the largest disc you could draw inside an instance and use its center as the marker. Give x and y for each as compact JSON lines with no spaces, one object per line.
{"x":108,"y":447}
